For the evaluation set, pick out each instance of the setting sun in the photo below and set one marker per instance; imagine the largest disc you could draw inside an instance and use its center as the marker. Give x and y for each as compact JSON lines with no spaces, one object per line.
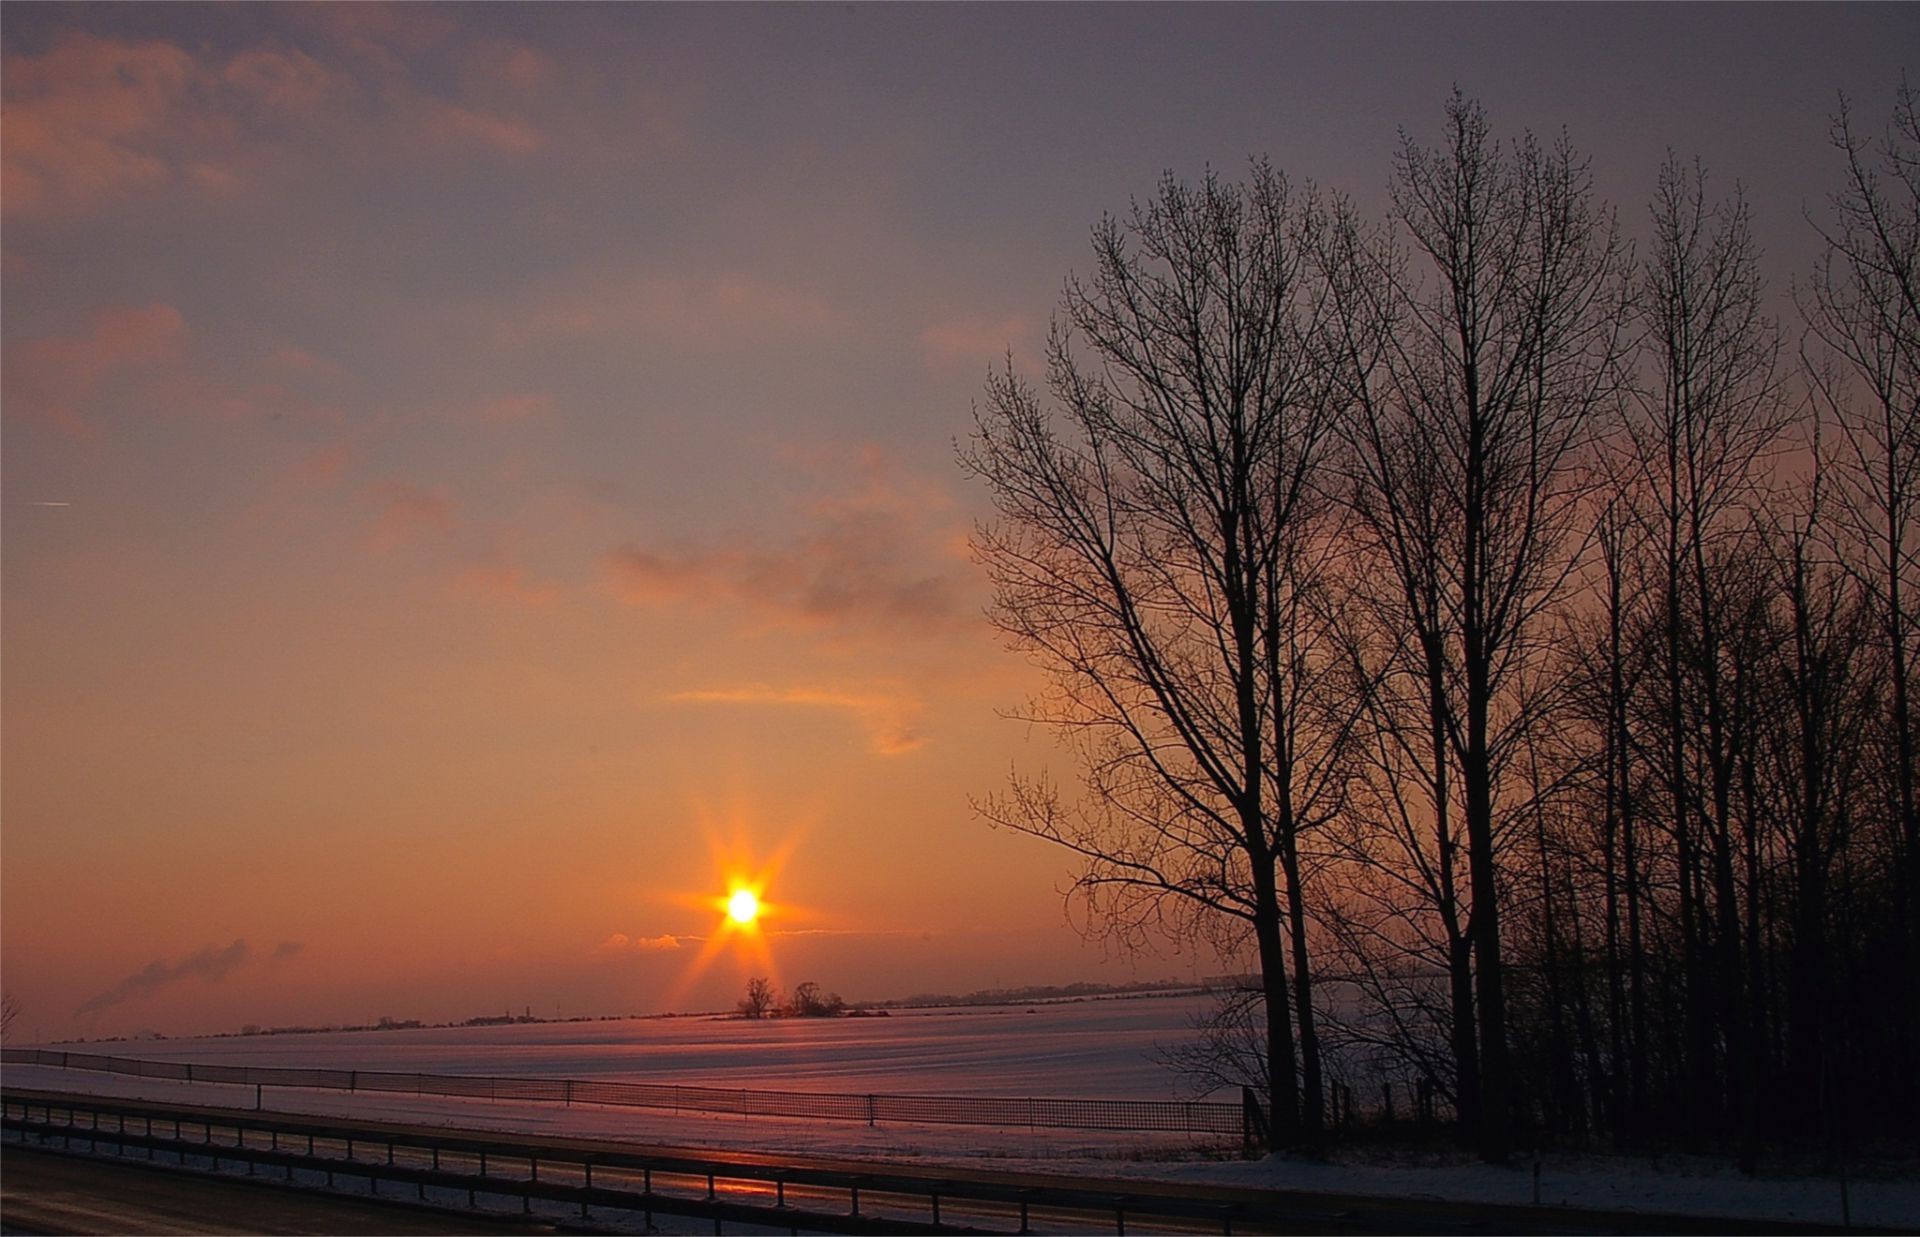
{"x":743,"y":907}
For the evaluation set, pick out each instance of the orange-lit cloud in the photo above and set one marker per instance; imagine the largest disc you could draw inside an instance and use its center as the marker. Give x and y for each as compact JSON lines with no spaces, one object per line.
{"x":406,"y":511}
{"x":284,"y":79}
{"x":620,"y":942}
{"x":81,"y":119}
{"x":890,"y":719}
{"x":505,"y":581}
{"x":92,"y":120}
{"x":977,"y":342}
{"x":704,"y":312}
{"x":525,"y":406}
{"x":52,"y":378}
{"x":878,"y":553}
{"x":441,"y":121}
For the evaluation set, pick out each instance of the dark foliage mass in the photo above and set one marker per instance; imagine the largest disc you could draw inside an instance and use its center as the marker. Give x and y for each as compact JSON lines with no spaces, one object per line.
{"x":1500,"y":631}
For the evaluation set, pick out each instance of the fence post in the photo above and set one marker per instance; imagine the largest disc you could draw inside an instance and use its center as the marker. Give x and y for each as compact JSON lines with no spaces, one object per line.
{"x":870,"y":1110}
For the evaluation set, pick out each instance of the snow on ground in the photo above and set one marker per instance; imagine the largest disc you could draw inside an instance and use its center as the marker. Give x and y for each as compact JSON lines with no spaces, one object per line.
{"x":1075,"y":1049}
{"x":1097,"y":1048}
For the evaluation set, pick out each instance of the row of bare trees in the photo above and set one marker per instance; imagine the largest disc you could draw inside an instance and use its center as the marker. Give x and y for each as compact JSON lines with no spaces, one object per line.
{"x":1499,"y":630}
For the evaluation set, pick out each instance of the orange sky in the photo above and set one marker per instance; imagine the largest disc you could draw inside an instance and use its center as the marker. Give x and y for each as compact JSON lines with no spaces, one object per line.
{"x":465,"y":465}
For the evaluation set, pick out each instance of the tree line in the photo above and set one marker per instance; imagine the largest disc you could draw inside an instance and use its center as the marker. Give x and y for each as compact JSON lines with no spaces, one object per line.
{"x":1499,"y":629}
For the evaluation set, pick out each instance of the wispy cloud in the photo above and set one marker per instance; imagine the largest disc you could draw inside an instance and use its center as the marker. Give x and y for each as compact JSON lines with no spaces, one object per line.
{"x":707,"y":312}
{"x":877,"y":550}
{"x":210,"y":963}
{"x":93,"y":121}
{"x":53,"y":378}
{"x":891,"y":719}
{"x":407,"y":510}
{"x":620,"y":942}
{"x":977,"y":342}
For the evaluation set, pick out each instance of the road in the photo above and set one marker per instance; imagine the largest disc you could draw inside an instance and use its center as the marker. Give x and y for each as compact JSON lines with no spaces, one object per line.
{"x":46,"y":1192}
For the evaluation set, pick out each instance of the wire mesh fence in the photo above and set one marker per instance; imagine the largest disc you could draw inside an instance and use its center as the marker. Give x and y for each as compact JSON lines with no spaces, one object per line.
{"x":1194,"y":1117}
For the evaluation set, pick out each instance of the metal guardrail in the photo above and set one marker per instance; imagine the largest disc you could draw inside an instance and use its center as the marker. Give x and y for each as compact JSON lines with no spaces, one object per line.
{"x":1195,"y":1117}
{"x":785,"y":1191}
{"x":799,"y":1193}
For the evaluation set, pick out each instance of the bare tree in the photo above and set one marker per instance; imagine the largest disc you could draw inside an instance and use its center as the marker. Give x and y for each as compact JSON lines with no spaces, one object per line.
{"x":1863,"y":307}
{"x":9,"y":1013}
{"x":1708,"y":415}
{"x":1469,"y":458}
{"x":1163,"y":551}
{"x":760,"y":999}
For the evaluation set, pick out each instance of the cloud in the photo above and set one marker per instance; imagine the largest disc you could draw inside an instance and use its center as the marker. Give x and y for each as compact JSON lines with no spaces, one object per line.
{"x":505,"y":581}
{"x":527,"y":406}
{"x":975,"y":342}
{"x":92,"y":121}
{"x":210,"y":963}
{"x":407,"y":510}
{"x":298,"y":361}
{"x":286,"y":80}
{"x":441,"y":121}
{"x":285,"y":950}
{"x":620,"y":942}
{"x":53,"y":378}
{"x":323,"y":466}
{"x":875,"y":551}
{"x":712,"y":312}
{"x":890,"y":718}
{"x":81,"y":119}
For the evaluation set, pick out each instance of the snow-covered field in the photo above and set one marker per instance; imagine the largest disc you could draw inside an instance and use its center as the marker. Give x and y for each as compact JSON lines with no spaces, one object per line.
{"x":1076,"y":1049}
{"x":1084,"y":1049}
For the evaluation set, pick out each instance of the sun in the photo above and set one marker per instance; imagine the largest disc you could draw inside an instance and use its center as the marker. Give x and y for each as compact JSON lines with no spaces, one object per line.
{"x":743,"y":907}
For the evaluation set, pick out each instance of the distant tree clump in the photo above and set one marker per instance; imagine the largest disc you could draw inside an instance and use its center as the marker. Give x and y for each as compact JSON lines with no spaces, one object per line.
{"x":809,"y":1002}
{"x":761,"y":1000}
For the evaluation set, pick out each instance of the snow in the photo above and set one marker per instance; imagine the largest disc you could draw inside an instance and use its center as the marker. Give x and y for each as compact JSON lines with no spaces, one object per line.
{"x":1080,"y":1049}
{"x":1094,"y":1048}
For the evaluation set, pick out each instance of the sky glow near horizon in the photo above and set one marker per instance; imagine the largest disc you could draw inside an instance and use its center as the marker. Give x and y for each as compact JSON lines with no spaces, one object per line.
{"x":478,"y":480}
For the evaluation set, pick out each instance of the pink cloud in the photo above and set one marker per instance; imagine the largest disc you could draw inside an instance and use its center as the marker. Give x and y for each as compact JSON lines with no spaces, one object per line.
{"x":81,"y":117}
{"x":874,"y":551}
{"x":285,"y":80}
{"x":527,"y":406}
{"x":503,"y":581}
{"x":441,"y":121}
{"x":94,"y":120}
{"x":714,"y":311}
{"x":291,"y":360}
{"x":324,"y":466}
{"x":406,"y":511}
{"x":974,"y":341}
{"x":53,"y":378}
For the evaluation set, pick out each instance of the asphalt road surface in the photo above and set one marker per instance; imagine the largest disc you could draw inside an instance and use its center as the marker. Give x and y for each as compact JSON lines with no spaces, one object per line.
{"x":43,"y":1192}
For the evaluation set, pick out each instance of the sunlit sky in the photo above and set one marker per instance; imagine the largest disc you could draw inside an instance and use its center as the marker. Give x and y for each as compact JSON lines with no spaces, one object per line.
{"x":479,"y":479}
